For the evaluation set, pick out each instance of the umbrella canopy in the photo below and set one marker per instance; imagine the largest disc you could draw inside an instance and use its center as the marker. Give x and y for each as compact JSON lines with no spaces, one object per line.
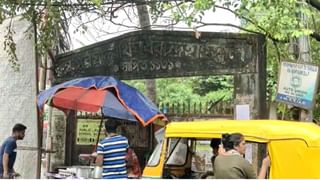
{"x":114,"y":98}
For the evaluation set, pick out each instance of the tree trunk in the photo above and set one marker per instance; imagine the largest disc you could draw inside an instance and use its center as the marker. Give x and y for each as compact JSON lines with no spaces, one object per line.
{"x":304,"y":57}
{"x":144,"y":21}
{"x":303,"y":43}
{"x":43,"y":73}
{"x":145,"y":24}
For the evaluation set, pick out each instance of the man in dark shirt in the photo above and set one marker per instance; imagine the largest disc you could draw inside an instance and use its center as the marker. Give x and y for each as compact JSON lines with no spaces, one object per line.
{"x":8,"y":151}
{"x":214,"y":144}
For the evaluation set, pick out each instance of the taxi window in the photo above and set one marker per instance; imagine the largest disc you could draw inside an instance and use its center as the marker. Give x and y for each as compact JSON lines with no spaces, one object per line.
{"x":178,"y":150}
{"x":201,"y":159}
{"x":155,"y":156}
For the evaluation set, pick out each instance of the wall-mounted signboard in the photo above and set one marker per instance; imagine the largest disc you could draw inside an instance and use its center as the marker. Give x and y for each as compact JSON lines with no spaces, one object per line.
{"x":297,"y":84}
{"x":87,"y":132}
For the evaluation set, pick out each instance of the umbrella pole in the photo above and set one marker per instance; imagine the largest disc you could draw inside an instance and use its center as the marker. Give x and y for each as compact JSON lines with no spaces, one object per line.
{"x":100,"y":126}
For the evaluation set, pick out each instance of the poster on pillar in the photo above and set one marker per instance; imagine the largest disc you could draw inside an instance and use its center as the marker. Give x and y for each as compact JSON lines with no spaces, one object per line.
{"x":297,"y":84}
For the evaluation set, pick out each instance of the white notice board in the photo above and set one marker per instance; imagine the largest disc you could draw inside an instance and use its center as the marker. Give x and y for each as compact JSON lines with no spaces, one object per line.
{"x":297,"y":84}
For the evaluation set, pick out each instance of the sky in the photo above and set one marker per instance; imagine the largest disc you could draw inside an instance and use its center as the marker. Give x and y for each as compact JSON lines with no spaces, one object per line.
{"x":102,"y":30}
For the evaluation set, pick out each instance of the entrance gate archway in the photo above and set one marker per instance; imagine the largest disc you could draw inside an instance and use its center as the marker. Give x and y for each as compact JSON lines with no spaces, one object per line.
{"x":159,"y":54}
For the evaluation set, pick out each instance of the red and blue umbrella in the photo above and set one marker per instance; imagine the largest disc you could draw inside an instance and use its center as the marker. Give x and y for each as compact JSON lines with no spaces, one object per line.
{"x":92,"y":94}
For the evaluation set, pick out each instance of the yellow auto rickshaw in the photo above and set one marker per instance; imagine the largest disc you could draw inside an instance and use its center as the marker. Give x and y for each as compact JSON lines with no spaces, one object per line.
{"x":293,"y":147}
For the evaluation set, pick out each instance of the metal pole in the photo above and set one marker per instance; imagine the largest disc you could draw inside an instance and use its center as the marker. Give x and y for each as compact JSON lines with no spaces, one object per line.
{"x":39,"y":120}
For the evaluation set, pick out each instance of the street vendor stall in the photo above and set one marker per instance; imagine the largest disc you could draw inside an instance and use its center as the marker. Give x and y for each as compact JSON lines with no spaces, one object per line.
{"x":110,"y":98}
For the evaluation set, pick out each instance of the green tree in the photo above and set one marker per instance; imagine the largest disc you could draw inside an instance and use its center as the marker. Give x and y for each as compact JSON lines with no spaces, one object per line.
{"x":204,"y":85}
{"x":279,"y":21}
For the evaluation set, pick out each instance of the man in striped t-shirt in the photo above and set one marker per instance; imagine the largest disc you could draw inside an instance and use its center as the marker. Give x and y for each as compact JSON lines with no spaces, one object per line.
{"x":112,"y":152}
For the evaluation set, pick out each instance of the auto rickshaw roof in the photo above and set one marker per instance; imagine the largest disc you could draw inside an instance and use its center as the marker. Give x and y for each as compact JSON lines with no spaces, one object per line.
{"x":254,"y":130}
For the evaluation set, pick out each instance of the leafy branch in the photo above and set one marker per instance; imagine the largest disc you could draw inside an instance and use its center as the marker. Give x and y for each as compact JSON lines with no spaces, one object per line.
{"x":10,"y":47}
